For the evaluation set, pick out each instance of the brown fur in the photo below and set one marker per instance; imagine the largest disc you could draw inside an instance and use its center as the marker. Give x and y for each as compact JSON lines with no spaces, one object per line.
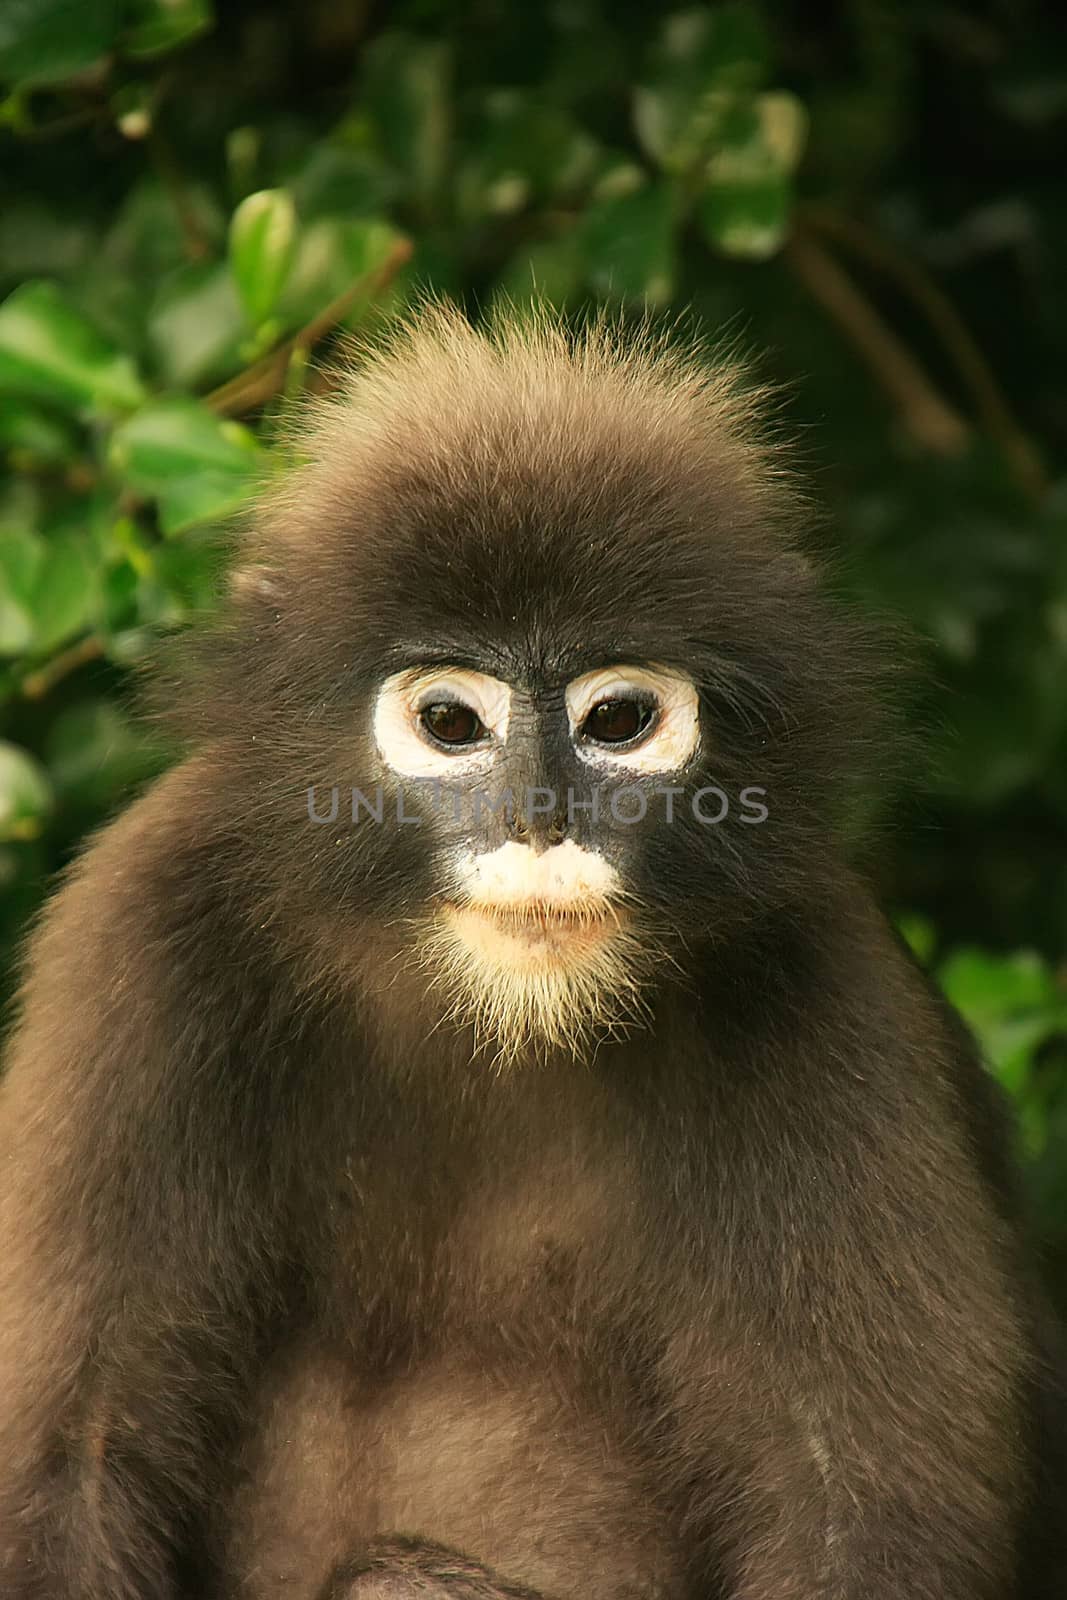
{"x":300,"y":1297}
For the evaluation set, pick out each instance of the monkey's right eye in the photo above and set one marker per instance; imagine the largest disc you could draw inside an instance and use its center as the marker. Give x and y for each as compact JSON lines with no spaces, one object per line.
{"x":618,"y":721}
{"x":451,"y":722}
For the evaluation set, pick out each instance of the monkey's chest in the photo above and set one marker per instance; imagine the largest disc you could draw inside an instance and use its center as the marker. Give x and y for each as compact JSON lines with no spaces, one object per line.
{"x":522,"y":1473}
{"x":479,"y":1401}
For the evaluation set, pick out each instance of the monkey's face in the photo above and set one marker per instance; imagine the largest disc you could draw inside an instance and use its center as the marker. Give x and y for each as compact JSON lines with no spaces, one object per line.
{"x":538,"y":603}
{"x":533,"y":787}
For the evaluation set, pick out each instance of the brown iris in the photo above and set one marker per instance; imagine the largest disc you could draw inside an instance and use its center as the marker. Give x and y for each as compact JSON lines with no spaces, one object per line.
{"x":618,"y":721}
{"x":451,"y":722}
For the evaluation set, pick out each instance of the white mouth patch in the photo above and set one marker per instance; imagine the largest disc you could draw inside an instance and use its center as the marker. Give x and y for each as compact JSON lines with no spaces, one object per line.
{"x":565,"y":876}
{"x":537,"y":949}
{"x":675,"y":733}
{"x":401,"y":741}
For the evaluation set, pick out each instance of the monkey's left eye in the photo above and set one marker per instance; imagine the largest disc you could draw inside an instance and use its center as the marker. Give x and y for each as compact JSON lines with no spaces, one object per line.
{"x":451,"y":722}
{"x":618,"y":721}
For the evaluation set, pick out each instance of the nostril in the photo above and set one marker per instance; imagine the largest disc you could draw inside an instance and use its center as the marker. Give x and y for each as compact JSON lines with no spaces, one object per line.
{"x":557,"y":831}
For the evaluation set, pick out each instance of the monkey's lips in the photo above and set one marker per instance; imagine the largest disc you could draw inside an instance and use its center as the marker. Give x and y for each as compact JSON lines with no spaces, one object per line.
{"x":534,"y":934}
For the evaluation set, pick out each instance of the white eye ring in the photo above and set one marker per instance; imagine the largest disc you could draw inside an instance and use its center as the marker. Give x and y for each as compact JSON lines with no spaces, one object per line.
{"x":402,"y":740}
{"x":673,"y":737}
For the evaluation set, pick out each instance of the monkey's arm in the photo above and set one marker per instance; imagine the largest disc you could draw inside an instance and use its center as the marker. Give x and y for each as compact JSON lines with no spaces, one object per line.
{"x":140,"y":1216}
{"x":406,"y":1569}
{"x":875,"y":1342}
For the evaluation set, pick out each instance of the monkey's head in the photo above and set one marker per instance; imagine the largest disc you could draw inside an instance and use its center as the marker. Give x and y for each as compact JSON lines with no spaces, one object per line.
{"x":528,"y":668}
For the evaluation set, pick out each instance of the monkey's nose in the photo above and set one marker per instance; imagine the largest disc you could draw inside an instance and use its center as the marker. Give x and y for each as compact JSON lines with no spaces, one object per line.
{"x":538,"y":828}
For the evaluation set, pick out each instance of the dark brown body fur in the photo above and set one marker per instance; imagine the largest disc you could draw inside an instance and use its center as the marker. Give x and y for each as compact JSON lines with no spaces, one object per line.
{"x":536,"y":1324}
{"x":300,"y":1297}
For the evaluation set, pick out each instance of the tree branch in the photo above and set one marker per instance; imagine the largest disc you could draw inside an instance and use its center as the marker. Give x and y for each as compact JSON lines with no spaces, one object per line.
{"x":35,"y":685}
{"x":929,"y":418}
{"x":955,"y":336}
{"x":264,"y":378}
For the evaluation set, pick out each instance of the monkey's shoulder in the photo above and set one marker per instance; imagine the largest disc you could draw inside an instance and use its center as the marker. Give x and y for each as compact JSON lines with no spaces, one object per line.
{"x":146,"y":947}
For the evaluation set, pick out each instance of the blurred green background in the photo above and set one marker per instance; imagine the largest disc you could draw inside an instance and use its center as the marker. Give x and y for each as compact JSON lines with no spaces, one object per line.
{"x":869,"y":197}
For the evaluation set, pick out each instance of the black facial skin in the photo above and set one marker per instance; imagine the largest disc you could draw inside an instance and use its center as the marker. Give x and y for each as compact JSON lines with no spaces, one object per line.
{"x":301,"y":1297}
{"x":538,"y":789}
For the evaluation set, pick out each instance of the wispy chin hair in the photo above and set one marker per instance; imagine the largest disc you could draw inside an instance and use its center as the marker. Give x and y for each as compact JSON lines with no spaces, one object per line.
{"x":530,"y":981}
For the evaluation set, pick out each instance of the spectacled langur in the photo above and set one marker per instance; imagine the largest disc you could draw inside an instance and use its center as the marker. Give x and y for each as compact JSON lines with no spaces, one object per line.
{"x":444,"y":1152}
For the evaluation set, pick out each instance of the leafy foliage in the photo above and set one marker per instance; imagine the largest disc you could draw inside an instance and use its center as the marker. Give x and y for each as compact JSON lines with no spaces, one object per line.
{"x":194,"y":206}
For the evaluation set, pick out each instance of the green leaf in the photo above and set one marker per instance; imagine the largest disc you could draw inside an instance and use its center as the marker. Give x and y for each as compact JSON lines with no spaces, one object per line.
{"x":202,"y":498}
{"x":524,"y":152}
{"x":1012,"y":1003}
{"x":171,"y":438}
{"x":32,"y":437}
{"x":629,"y":244}
{"x":118,"y":598}
{"x":21,"y":555}
{"x":336,"y":181}
{"x":50,"y":351}
{"x":47,"y":574}
{"x":155,"y":26}
{"x":783,"y":125}
{"x":331,"y":256}
{"x":129,"y":645}
{"x":196,"y":326}
{"x":198,"y":467}
{"x":746,"y":217}
{"x":727,"y":44}
{"x":45,"y":41}
{"x":25,"y":794}
{"x":365,"y":245}
{"x":704,"y":61}
{"x":192,"y":570}
{"x":746,"y":204}
{"x":617,"y":176}
{"x":984,"y":986}
{"x":63,"y":600}
{"x":919,"y":934}
{"x":262,"y":245}
{"x":145,"y":238}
